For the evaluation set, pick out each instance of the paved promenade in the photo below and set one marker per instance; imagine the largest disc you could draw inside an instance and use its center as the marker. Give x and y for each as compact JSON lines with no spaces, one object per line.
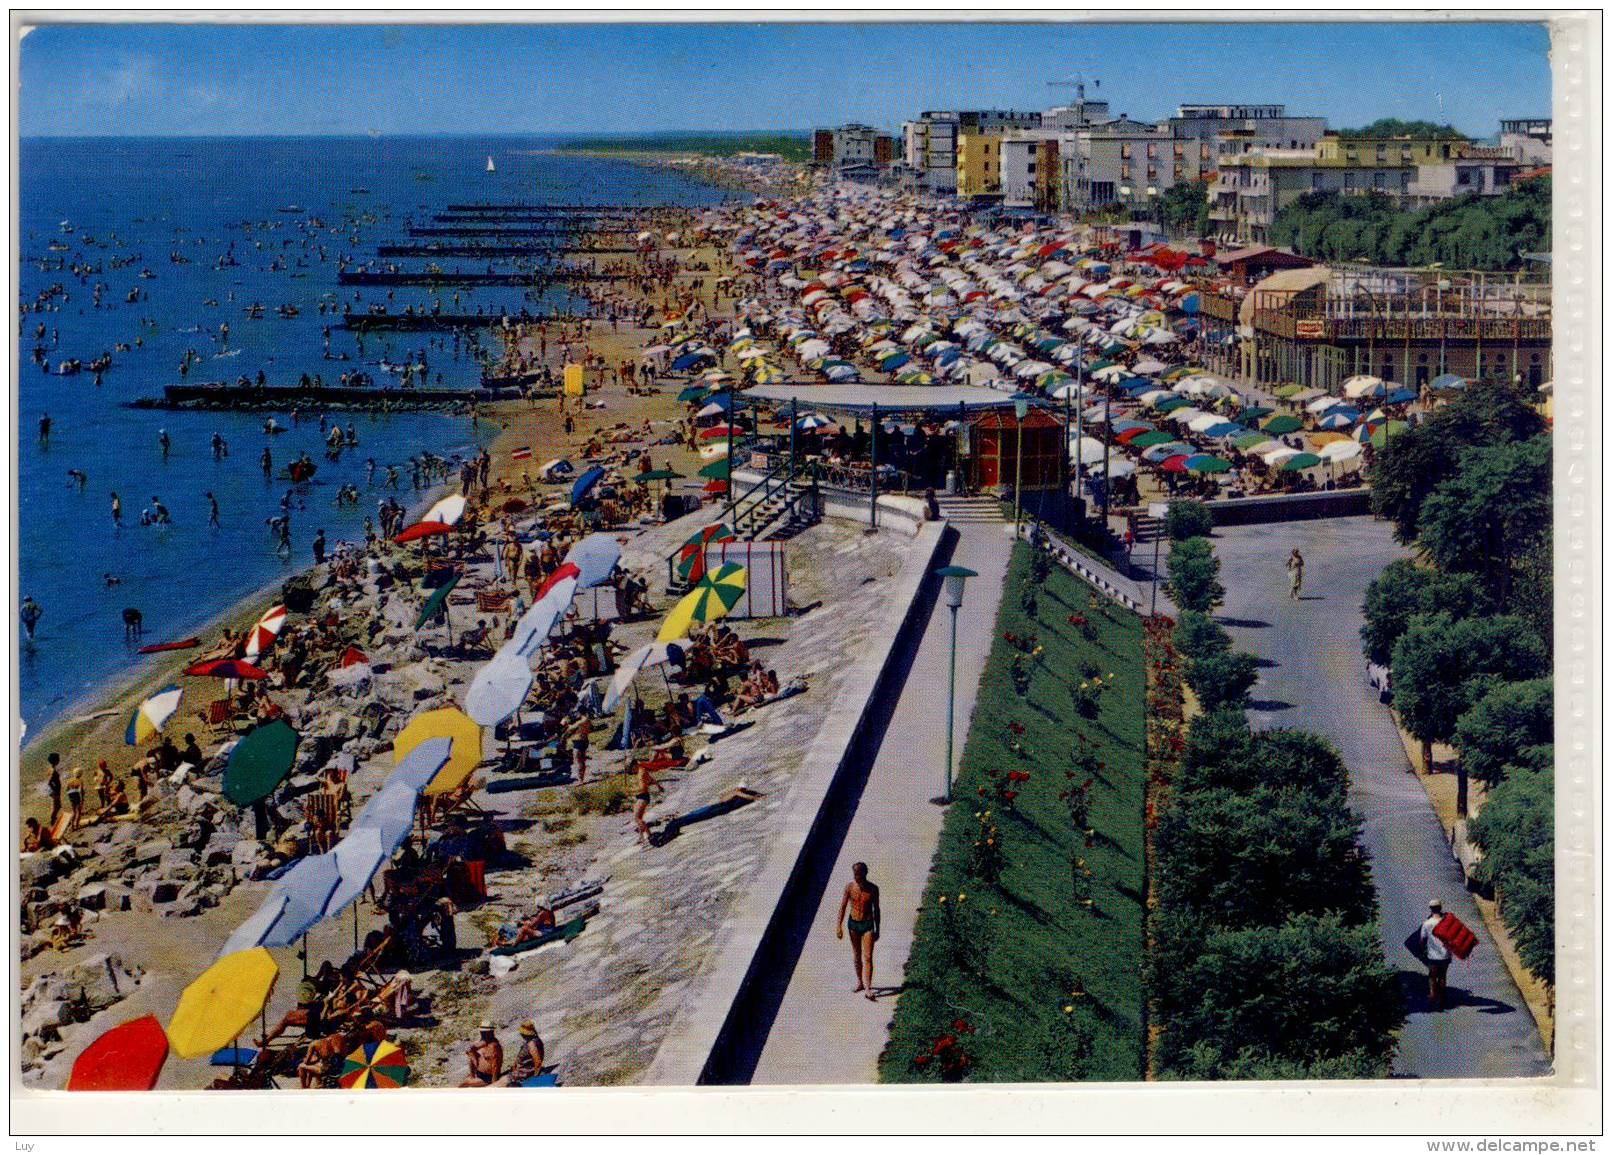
{"x":825,"y":1033}
{"x":1315,"y":680}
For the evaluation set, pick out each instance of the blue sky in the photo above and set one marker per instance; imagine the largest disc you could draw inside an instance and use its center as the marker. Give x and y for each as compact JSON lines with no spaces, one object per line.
{"x":175,"y":79}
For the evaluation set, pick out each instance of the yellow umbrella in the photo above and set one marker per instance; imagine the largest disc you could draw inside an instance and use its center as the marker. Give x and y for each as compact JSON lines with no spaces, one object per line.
{"x":451,"y":723}
{"x":222,"y":1002}
{"x":1327,"y":437}
{"x":712,"y":598}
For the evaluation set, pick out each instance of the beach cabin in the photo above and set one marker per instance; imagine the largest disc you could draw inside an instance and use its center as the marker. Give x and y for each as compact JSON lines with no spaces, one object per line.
{"x":994,"y":440}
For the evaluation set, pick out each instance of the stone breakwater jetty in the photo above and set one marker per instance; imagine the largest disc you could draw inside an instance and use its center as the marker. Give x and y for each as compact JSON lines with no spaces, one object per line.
{"x":270,"y":398}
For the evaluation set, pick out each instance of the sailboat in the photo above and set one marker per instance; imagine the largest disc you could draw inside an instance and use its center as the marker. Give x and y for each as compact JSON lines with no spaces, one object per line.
{"x":490,"y":166}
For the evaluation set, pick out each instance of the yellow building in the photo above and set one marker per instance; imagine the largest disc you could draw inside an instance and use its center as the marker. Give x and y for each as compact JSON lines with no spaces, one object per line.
{"x":979,"y":164}
{"x":1381,"y":152}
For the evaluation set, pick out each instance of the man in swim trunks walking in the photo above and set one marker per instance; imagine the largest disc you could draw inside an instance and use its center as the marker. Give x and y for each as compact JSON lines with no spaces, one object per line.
{"x":862,"y":901}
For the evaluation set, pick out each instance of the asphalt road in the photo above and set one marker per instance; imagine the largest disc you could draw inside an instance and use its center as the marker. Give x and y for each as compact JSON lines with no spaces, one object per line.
{"x":1314,"y":679}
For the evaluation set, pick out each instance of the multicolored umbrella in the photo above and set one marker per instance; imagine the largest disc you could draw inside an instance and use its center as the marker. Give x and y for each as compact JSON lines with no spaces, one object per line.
{"x":453,"y":724}
{"x":260,"y":762}
{"x":126,"y":1058}
{"x":227,"y":668}
{"x":152,"y":715}
{"x":373,"y":1065}
{"x":712,"y":598}
{"x":222,"y":1002}
{"x":267,"y":629}
{"x":691,"y":554}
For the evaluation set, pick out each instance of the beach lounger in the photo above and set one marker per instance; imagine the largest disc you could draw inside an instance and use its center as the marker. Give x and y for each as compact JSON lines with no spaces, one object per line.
{"x":565,"y":931}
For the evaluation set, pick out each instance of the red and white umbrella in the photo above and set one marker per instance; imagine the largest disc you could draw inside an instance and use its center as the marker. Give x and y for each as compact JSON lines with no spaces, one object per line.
{"x":267,"y":629}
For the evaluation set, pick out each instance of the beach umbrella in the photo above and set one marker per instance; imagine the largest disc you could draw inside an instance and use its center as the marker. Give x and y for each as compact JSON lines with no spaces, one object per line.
{"x":268,"y":628}
{"x":595,"y":557}
{"x":1381,"y":433}
{"x":656,"y":475}
{"x":1300,"y":461}
{"x":416,"y":768}
{"x":1338,"y":451}
{"x":448,"y":511}
{"x":374,"y":1065}
{"x":1448,"y":381}
{"x":719,"y":470}
{"x":390,"y":813}
{"x":358,"y":856}
{"x":691,"y":554}
{"x":499,"y":688}
{"x":585,"y":483}
{"x":1207,"y":463}
{"x":1253,"y":413}
{"x":1249,"y":440}
{"x":437,"y":603}
{"x":459,"y":728}
{"x":221,"y":1002}
{"x":152,"y":714}
{"x":692,"y":393}
{"x":129,"y":1057}
{"x":812,"y":422}
{"x":1174,"y":403}
{"x":1338,"y":419}
{"x":1282,"y":423}
{"x":307,"y":886}
{"x":227,"y":668}
{"x":534,"y":626}
{"x":422,"y":529}
{"x":644,"y":658}
{"x":251,"y":932}
{"x":1404,"y":396}
{"x":1363,"y":385}
{"x":1177,"y":463}
{"x":716,"y":594}
{"x":260,"y":762}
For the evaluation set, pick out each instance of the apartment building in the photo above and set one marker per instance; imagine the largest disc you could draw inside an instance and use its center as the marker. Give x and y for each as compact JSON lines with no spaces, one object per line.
{"x":930,"y":145}
{"x":1029,"y":168}
{"x":1527,"y":139}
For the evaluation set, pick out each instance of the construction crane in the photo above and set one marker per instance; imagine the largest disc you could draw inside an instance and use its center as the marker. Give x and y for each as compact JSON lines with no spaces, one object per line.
{"x":1078,"y":83}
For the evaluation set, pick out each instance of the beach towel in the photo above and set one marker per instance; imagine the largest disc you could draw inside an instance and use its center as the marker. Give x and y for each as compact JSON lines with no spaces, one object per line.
{"x":566,"y":931}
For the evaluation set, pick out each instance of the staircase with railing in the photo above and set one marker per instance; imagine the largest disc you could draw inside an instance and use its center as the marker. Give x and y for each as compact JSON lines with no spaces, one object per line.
{"x":786,"y":500}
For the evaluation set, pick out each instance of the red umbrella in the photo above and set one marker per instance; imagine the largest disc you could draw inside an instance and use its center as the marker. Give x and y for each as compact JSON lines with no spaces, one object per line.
{"x":720,"y":431}
{"x":716,"y":487}
{"x":126,"y":1058}
{"x":1176,"y":464}
{"x":353,"y":657}
{"x":422,"y":529}
{"x":227,"y":668}
{"x":568,"y":569}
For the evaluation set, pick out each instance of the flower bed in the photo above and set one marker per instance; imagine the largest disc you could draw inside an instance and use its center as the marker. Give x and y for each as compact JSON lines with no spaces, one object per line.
{"x":1027,"y":959}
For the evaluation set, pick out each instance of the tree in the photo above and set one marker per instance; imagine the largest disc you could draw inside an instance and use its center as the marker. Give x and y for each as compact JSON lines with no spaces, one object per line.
{"x":1505,"y":727}
{"x":1195,"y":576}
{"x":1442,"y":666}
{"x":1313,"y":989}
{"x":1185,"y":207}
{"x":1251,"y":857}
{"x":1405,"y":589}
{"x":1223,"y":678}
{"x":1411,"y":467}
{"x":1216,"y":739}
{"x":1221,"y":751}
{"x":1516,"y":832}
{"x":1390,"y":126}
{"x":1198,"y":635}
{"x":1495,"y":510}
{"x":1186,"y":519}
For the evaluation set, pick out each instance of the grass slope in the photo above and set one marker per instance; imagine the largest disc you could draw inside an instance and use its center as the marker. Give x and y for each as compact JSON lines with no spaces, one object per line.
{"x":1009,"y":975}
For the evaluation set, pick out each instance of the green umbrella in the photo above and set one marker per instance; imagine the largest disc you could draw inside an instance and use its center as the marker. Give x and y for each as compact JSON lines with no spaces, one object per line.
{"x":260,"y":762}
{"x":1151,"y":438}
{"x":692,"y":393}
{"x":1209,"y":464}
{"x":1171,"y":404}
{"x":1253,"y":413}
{"x":1302,"y":461}
{"x":658,"y":475}
{"x":1249,"y":440}
{"x":437,"y":602}
{"x":1288,"y":391}
{"x":1381,"y":434}
{"x":1101,"y":363}
{"x":1282,"y":423}
{"x":718,"y":470}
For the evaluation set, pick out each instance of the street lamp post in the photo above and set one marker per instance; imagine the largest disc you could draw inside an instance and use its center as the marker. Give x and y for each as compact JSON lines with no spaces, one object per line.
{"x":954,"y":578}
{"x":1021,"y":408}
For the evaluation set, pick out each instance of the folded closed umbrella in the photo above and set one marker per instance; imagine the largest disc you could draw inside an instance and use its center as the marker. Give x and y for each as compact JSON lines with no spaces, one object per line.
{"x":221,"y":1002}
{"x":260,"y":762}
{"x":227,"y":668}
{"x":499,"y":688}
{"x":306,"y":886}
{"x":448,"y":722}
{"x":151,"y":715}
{"x":129,"y":1057}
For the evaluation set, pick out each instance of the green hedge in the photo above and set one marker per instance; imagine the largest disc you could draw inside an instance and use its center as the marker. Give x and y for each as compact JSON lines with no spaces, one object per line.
{"x":1005,"y":958}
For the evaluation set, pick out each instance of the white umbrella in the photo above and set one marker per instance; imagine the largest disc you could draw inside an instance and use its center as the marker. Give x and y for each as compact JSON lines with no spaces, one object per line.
{"x":1322,"y":404}
{"x":1364,"y":385}
{"x":448,"y":511}
{"x":250,"y":933}
{"x":1340,"y":451}
{"x":645,"y":658}
{"x":358,"y":856}
{"x":498,"y":689}
{"x":1278,"y":455}
{"x":532,"y":630}
{"x":1085,"y":448}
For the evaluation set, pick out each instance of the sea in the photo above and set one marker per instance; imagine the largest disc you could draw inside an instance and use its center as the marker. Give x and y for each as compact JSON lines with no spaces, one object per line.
{"x":156,"y":251}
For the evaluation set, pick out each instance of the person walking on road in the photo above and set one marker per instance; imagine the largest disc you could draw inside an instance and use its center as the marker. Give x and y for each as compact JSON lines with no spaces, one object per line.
{"x":861,"y":900}
{"x":1437,"y":954}
{"x":1295,"y":573}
